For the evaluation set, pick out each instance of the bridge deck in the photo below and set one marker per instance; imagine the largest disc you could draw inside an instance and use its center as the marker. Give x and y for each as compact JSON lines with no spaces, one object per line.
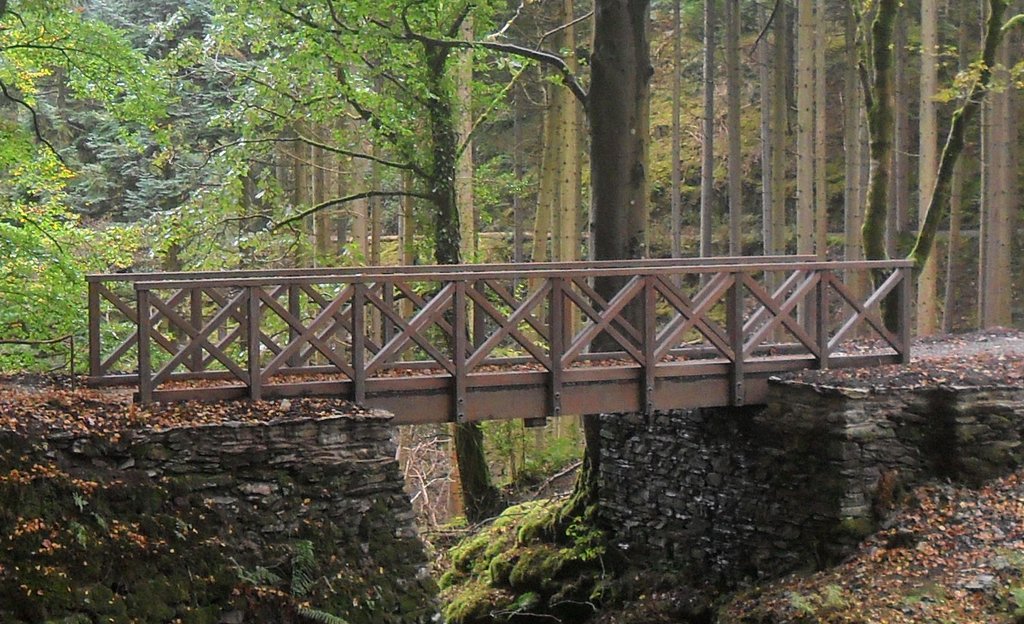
{"x":494,"y":341}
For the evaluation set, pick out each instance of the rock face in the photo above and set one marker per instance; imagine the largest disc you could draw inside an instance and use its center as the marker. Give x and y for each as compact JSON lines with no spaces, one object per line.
{"x":734,"y":494}
{"x":289,"y":520}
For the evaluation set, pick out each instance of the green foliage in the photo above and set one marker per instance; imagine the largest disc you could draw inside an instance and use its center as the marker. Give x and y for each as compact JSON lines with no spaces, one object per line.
{"x":49,"y":46}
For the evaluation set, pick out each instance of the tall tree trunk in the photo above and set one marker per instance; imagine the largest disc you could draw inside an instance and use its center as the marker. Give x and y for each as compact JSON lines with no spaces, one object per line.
{"x":464,"y":167}
{"x":735,"y":163}
{"x":707,"y":167}
{"x":900,"y":217}
{"x":564,"y":218}
{"x":780,"y":122}
{"x":480,"y":497}
{"x":820,"y":154}
{"x":953,"y":245}
{"x":677,"y":105}
{"x":997,"y":205}
{"x":547,"y":193}
{"x":805,"y":128}
{"x":927,"y":284}
{"x":853,"y":122}
{"x":767,"y":190}
{"x":619,"y":106}
{"x":880,"y":130}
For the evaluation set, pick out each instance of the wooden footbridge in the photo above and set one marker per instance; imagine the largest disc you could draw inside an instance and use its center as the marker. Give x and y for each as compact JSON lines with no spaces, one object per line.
{"x":437,"y":343}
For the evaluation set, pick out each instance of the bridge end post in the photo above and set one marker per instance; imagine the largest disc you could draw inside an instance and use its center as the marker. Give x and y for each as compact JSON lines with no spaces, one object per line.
{"x":821,"y":317}
{"x":734,"y":323}
{"x":650,"y":328}
{"x":906,"y":313}
{"x":556,"y":331}
{"x":358,"y":343}
{"x":142,"y":328}
{"x":94,"y":330}
{"x":253,"y":344}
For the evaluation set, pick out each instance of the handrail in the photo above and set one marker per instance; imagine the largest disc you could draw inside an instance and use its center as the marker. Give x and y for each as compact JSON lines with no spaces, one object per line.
{"x":448,"y":273}
{"x":431,"y":268}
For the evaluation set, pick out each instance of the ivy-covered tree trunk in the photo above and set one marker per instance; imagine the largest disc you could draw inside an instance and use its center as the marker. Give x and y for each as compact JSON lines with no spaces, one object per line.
{"x":881,"y":126}
{"x":480,"y":498}
{"x":994,"y":32}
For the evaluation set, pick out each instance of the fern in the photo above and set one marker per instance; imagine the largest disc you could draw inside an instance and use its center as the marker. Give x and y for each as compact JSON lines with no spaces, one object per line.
{"x":320,"y":617}
{"x":303,"y":568}
{"x":258,"y":576}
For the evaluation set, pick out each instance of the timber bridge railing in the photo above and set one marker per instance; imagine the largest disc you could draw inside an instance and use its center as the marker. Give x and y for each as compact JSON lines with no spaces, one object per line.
{"x":438,"y":343}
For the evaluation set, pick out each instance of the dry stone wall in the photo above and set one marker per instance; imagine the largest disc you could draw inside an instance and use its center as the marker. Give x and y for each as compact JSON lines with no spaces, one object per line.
{"x":734,"y":494}
{"x":286,"y":521}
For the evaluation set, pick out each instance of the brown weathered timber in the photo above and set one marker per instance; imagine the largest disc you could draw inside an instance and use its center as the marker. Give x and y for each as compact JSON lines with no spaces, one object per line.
{"x":713,"y":331}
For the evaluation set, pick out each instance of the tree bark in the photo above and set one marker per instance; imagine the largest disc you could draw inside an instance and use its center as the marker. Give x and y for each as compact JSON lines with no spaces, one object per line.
{"x":780,"y":123}
{"x":677,"y":174}
{"x":619,"y":123}
{"x":805,"y":128}
{"x":735,"y":162}
{"x":480,"y":497}
{"x":880,"y":130}
{"x":820,"y":139}
{"x":707,"y":167}
{"x":927,"y":285}
{"x":853,"y":206}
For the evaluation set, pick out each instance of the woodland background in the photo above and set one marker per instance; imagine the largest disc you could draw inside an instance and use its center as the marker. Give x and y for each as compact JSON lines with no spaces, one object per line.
{"x":149,"y":135}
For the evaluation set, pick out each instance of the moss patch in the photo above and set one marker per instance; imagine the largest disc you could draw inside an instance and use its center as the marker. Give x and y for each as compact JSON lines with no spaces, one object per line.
{"x":509,"y":569}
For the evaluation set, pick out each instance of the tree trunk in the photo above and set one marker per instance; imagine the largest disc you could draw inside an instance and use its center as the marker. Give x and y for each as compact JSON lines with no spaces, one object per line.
{"x":927,"y":284}
{"x":880,"y":130}
{"x":732,"y":74}
{"x":565,"y":221}
{"x":547,"y":193}
{"x":480,"y":497}
{"x":707,"y":167}
{"x":780,"y":122}
{"x":820,"y":154}
{"x":677,"y":174}
{"x":899,"y":220}
{"x":767,"y":189}
{"x":953,"y":248}
{"x":805,"y":37}
{"x":853,"y":206}
{"x":619,"y":123}
{"x":464,"y":165}
{"x":997,"y":206}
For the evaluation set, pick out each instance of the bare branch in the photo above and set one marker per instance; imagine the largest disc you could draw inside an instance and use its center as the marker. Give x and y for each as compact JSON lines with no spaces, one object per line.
{"x":36,"y":127}
{"x":344,"y":200}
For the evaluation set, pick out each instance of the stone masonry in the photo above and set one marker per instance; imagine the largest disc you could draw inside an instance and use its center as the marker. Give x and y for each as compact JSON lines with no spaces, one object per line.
{"x":734,"y":494}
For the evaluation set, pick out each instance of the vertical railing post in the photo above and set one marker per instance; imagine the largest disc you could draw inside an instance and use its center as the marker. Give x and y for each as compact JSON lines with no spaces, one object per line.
{"x":649,"y":330}
{"x":556,"y":332}
{"x":95,"y":348}
{"x":196,"y":320}
{"x":460,"y":342}
{"x":142,"y":328}
{"x":479,"y":327}
{"x":358,"y":342}
{"x":295,"y":309}
{"x":388,"y":330}
{"x":734,"y":322}
{"x":252,"y":320}
{"x":906,"y":297}
{"x":822,"y":316}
